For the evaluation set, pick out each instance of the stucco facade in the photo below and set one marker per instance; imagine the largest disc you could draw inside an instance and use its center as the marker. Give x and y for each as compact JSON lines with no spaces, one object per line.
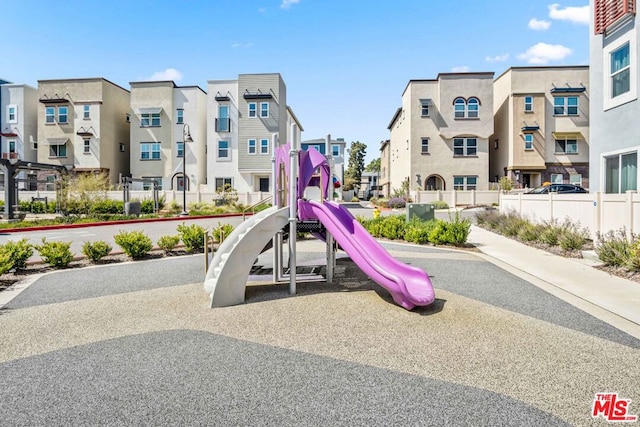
{"x":439,"y":136}
{"x":82,"y":124}
{"x":541,"y":121}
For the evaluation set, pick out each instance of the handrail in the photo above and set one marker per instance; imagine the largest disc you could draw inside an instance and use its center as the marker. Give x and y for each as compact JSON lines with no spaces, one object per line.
{"x":255,"y":205}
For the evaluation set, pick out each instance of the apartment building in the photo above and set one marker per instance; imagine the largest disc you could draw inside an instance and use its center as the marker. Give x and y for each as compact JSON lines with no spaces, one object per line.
{"x":439,"y":137}
{"x":541,"y":122}
{"x":19,"y":127}
{"x":614,"y":106}
{"x":82,"y":125}
{"x":245,"y":117}
{"x":162,"y":116}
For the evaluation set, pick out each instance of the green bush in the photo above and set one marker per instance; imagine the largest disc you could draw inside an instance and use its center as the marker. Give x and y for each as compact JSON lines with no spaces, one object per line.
{"x":354,"y":199}
{"x":19,"y":252}
{"x":95,"y":251}
{"x":632,"y":261}
{"x":373,"y":225}
{"x":454,"y":232}
{"x":5,"y":261}
{"x":56,"y":254}
{"x":147,"y":205}
{"x":573,"y":238}
{"x":392,"y":227}
{"x":192,"y":237}
{"x":551,"y":233}
{"x":512,"y":224}
{"x":222,"y":231}
{"x":106,"y":206}
{"x":529,"y":232}
{"x":439,"y":204}
{"x":613,"y":248}
{"x":417,"y":231}
{"x":135,"y":244}
{"x":168,"y":243}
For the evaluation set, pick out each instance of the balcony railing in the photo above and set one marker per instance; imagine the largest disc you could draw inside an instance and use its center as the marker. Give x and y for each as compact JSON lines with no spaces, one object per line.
{"x":10,"y":155}
{"x":223,"y":125}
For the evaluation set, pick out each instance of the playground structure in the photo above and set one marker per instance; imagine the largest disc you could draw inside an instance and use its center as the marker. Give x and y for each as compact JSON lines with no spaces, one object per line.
{"x":228,"y":272}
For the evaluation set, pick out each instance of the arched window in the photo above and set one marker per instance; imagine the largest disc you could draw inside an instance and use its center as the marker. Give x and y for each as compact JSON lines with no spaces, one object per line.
{"x":473,"y":108}
{"x":466,"y":108}
{"x":460,"y":107}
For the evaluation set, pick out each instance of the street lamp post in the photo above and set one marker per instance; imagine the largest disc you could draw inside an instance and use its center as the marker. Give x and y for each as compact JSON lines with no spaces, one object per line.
{"x":186,"y":137}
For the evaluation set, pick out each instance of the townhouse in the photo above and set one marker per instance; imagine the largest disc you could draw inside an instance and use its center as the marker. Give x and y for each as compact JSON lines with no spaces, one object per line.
{"x":541,"y":122}
{"x":163,"y":116}
{"x":439,"y":136}
{"x":336,"y":149}
{"x":614,"y":106}
{"x":246,"y":117}
{"x":82,"y":125}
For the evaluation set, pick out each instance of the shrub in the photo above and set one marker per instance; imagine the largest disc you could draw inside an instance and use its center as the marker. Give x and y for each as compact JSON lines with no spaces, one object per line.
{"x":512,"y":224}
{"x":396,"y":202}
{"x":454,"y":232}
{"x":56,"y":254}
{"x":19,"y":252}
{"x":529,"y":232}
{"x":573,"y":238}
{"x":440,"y":204}
{"x":613,"y":248}
{"x":107,"y":206}
{"x":5,"y":260}
{"x":135,"y":244}
{"x":354,"y":199}
{"x":221,"y":232}
{"x":392,"y":227}
{"x":168,"y":243}
{"x":373,"y":225}
{"x":632,"y":260}
{"x":147,"y":206}
{"x":192,"y":237}
{"x":417,"y":231}
{"x":95,"y":251}
{"x":551,"y":233}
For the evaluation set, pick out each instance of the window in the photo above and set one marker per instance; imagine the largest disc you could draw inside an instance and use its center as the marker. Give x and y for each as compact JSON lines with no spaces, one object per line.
{"x":263,"y":185}
{"x":149,"y":120}
{"x":459,"y":107}
{"x":50,"y":183}
{"x":180,"y":149}
{"x":150,"y":151}
{"x":566,"y":146}
{"x":335,"y":150}
{"x":56,"y":150}
{"x":425,"y":146}
{"x":222,"y":182}
{"x":565,"y":105}
{"x":149,"y":186}
{"x":180,"y":116}
{"x":557,"y":178}
{"x":528,"y":141}
{"x":86,"y":112}
{"x":223,"y":149}
{"x":473,"y":107}
{"x":122,"y":147}
{"x":575,"y":179}
{"x":465,"y":182}
{"x":253,"y":109}
{"x":465,"y":146}
{"x":49,"y":115}
{"x":621,"y":173}
{"x":252,"y":146}
{"x":620,"y":71}
{"x":12,"y":114}
{"x":87,"y":145}
{"x":63,"y":114}
{"x":528,"y":104}
{"x":264,"y":146}
{"x":264,"y":109}
{"x":425,"y":109}
{"x":223,"y":124}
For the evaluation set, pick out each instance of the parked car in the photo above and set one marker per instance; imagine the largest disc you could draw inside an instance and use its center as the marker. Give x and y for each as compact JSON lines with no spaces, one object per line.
{"x":557,"y":188}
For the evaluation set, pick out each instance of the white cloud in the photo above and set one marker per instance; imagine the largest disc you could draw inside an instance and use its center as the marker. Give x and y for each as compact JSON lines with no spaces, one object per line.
{"x":575,"y":15}
{"x":540,"y":25}
{"x":497,"y":58}
{"x":168,"y":74}
{"x":241,"y":45}
{"x":542,"y":53}
{"x":286,"y":4}
{"x":461,"y":69}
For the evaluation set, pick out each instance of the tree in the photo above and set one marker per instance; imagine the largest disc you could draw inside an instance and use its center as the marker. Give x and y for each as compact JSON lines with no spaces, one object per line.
{"x":373,"y":166}
{"x":353,"y":175}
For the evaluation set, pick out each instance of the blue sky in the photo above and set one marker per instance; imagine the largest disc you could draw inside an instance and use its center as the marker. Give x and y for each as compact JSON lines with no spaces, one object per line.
{"x":345,"y":62}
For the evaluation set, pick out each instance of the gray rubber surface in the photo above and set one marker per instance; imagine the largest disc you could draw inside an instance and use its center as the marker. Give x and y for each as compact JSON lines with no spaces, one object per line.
{"x":192,"y":378}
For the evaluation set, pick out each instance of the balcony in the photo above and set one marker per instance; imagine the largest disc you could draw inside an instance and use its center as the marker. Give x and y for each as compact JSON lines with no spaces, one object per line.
{"x":223,"y":125}
{"x":12,"y":156}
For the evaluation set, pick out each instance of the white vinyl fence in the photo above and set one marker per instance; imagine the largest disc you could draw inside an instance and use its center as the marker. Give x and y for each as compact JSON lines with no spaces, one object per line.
{"x":458,"y":198}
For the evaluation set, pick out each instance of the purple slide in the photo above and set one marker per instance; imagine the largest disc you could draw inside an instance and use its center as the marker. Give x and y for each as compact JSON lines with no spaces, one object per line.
{"x":408,"y":285}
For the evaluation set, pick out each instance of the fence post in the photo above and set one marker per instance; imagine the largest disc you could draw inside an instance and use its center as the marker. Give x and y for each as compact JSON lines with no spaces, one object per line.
{"x":598,"y":216}
{"x":629,"y":219}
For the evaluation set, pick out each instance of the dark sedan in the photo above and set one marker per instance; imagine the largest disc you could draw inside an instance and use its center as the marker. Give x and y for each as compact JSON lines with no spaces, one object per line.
{"x":557,"y":188}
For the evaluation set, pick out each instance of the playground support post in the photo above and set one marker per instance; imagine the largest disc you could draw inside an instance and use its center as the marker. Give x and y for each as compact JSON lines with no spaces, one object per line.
{"x":293,"y":208}
{"x":277,"y":238}
{"x":331,"y":256}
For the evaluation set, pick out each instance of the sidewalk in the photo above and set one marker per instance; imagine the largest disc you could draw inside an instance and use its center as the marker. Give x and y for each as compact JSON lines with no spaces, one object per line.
{"x":610,"y":298}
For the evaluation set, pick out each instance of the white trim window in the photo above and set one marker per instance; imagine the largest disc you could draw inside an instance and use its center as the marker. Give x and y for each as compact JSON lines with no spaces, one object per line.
{"x":620,"y":70}
{"x":528,"y":141}
{"x":264,"y":146}
{"x":63,"y":114}
{"x":473,"y":108}
{"x":180,"y":149}
{"x":621,"y":172}
{"x":180,"y":116}
{"x":221,"y":183}
{"x":565,"y":105}
{"x":86,"y":112}
{"x":12,"y":113}
{"x":150,"y":120}
{"x":466,"y":108}
{"x":557,"y":178}
{"x":149,"y":151}
{"x":264,"y":110}
{"x":424,"y":109}
{"x":223,"y":152}
{"x":459,"y":108}
{"x":335,"y":150}
{"x":149,"y":186}
{"x":253,"y":110}
{"x":528,"y":104}
{"x":424,"y":146}
{"x":86,"y":145}
{"x":252,"y":146}
{"x":566,"y":146}
{"x":49,"y":115}
{"x":465,"y":182}
{"x":575,"y":179}
{"x":465,"y":147}
{"x":58,"y":150}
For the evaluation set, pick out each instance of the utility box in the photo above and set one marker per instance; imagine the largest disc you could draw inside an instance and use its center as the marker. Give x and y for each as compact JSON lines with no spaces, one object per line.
{"x":423,"y":211}
{"x":132,"y":208}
